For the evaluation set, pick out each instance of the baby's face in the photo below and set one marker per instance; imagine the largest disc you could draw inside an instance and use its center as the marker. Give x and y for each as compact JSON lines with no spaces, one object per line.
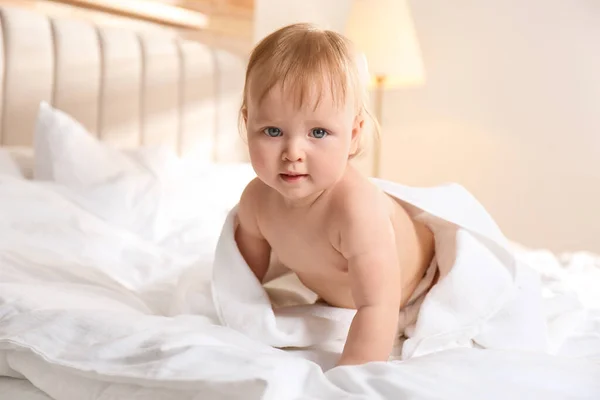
{"x":300,"y":151}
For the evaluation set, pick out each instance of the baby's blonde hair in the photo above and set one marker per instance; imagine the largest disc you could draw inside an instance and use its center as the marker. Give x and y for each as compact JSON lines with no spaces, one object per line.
{"x":300,"y":56}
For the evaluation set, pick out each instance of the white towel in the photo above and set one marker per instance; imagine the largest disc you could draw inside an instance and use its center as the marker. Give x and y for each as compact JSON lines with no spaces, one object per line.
{"x":484,"y":297}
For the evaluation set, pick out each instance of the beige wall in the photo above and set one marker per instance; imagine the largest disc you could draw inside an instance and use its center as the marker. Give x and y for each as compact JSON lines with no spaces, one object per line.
{"x":511,"y":110}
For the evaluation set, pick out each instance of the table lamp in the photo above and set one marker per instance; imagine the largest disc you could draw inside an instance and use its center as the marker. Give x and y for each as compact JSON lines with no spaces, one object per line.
{"x":383,"y":31}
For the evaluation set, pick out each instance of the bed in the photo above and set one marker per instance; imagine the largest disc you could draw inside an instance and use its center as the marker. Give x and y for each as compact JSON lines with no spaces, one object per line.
{"x":120,"y":160}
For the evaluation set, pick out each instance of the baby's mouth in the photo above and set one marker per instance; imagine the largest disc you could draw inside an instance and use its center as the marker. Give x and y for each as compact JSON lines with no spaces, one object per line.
{"x":293,"y":177}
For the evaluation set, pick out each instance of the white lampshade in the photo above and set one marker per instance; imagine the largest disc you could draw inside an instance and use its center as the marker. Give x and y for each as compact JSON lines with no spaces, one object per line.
{"x":384,"y":31}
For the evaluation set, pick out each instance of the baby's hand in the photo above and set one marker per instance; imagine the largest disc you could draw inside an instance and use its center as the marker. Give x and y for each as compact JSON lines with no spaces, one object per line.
{"x":371,"y":336}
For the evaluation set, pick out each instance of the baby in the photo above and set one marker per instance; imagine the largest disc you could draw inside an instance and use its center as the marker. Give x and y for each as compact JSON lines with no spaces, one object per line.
{"x":304,"y":111}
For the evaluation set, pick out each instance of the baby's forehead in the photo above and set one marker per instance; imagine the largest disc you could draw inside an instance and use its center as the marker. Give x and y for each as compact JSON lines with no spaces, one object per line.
{"x":314,"y":96}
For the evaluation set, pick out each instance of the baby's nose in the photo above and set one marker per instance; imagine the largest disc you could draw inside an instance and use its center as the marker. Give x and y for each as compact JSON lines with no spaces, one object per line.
{"x":293,"y":151}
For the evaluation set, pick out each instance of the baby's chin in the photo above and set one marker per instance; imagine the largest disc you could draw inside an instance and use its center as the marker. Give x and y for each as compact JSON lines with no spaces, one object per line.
{"x":299,"y":191}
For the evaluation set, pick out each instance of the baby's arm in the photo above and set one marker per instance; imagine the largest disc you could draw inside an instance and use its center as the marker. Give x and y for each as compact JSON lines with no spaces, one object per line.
{"x":251,"y":243}
{"x":368,"y":243}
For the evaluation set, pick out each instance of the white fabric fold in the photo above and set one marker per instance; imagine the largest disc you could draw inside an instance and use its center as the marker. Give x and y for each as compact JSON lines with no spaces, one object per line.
{"x":485,"y":297}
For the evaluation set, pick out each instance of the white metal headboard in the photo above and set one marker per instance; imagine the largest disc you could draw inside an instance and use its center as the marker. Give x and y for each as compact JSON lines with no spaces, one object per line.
{"x":128,"y":89}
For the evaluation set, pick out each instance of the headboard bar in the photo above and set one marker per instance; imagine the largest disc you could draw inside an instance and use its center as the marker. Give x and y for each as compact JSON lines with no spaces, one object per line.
{"x":128,"y":89}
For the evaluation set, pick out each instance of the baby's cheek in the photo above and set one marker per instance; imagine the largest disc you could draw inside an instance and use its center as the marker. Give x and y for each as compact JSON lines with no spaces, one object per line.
{"x":259,"y":158}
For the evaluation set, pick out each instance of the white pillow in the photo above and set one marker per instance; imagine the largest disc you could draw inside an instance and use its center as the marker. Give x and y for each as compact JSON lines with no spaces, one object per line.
{"x":66,"y":152}
{"x":125,"y":188}
{"x":8,"y":166}
{"x":148,"y":191}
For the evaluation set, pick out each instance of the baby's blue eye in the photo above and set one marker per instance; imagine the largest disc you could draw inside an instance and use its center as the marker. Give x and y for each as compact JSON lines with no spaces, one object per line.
{"x":272,"y":132}
{"x":319,"y":133}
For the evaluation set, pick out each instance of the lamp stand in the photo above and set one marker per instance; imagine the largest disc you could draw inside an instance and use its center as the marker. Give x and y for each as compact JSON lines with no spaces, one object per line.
{"x":379,"y":86}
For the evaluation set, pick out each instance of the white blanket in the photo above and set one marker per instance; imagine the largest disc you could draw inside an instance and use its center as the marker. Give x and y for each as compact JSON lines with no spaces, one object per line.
{"x":485,"y":297}
{"x":88,"y":310}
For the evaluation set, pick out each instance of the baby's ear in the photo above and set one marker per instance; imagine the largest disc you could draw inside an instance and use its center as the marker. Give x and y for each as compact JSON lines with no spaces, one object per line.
{"x":359,"y":123}
{"x":244,"y":114}
{"x":357,"y":130}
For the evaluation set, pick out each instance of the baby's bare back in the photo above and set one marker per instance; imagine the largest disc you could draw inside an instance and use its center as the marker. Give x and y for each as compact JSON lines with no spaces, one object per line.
{"x":307,"y":242}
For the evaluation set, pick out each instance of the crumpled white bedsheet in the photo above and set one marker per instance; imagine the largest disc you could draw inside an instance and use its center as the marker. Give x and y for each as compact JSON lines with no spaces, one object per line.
{"x":485,"y":297}
{"x":91,"y":311}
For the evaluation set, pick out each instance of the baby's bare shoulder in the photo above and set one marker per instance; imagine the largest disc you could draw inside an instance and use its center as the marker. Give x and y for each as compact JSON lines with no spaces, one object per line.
{"x":255,"y":191}
{"x":252,"y":197}
{"x":357,"y":196}
{"x":362,"y":217}
{"x":359,"y":212}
